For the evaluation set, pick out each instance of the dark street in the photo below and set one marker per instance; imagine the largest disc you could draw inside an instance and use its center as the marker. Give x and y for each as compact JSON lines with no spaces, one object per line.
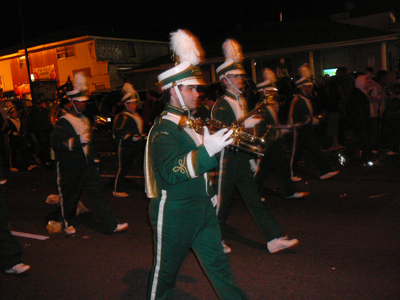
{"x":348,"y":229}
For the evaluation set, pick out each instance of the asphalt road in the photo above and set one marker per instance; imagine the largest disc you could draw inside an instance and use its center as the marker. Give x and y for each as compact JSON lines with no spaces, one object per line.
{"x":348,"y":229}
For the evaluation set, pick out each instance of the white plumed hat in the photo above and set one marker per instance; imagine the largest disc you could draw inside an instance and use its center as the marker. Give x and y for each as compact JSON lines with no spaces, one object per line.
{"x":269,"y":81}
{"x":233,"y":59}
{"x":189,"y":52}
{"x":80,"y":88}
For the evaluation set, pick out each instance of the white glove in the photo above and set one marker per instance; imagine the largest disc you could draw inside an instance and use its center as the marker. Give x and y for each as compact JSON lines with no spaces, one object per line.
{"x":218,"y":141}
{"x":85,"y":138}
{"x":251,"y":122}
{"x":253,"y":165}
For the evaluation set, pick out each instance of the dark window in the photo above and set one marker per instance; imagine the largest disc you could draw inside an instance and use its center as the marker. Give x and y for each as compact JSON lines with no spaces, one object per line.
{"x":65,"y":51}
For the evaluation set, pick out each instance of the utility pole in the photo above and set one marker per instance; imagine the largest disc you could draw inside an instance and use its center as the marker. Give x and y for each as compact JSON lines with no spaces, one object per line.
{"x":24,"y":45}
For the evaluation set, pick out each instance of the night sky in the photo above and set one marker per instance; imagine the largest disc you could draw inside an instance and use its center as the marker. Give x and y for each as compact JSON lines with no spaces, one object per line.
{"x":154,"y":20}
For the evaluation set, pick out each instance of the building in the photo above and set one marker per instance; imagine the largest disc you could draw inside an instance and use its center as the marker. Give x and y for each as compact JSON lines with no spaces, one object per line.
{"x":371,"y":41}
{"x":53,"y":60}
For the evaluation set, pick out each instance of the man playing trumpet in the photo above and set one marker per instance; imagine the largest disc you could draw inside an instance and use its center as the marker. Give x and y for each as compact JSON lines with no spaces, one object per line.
{"x":177,"y":161}
{"x":235,"y":167}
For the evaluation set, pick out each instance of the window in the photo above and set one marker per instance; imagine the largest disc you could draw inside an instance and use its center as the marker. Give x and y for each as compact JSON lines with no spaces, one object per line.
{"x":65,"y":51}
{"x":131,"y":50}
{"x":22,"y":62}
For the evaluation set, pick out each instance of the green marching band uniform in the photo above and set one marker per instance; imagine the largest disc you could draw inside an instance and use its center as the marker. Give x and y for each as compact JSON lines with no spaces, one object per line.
{"x":128,"y":130}
{"x":182,"y":206}
{"x":235,"y":171}
{"x":236,"y":167}
{"x":274,"y":155}
{"x":77,"y":170}
{"x":301,"y":112}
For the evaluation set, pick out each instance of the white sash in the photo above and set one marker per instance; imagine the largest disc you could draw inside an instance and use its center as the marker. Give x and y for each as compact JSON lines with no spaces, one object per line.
{"x":236,"y":106}
{"x":81,"y":125}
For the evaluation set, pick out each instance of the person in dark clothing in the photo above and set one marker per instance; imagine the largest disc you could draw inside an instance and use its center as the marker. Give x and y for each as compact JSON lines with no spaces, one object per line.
{"x":359,"y":122}
{"x":332,"y":99}
{"x":11,"y":255}
{"x":39,"y":126}
{"x":391,"y":98}
{"x":13,"y":129}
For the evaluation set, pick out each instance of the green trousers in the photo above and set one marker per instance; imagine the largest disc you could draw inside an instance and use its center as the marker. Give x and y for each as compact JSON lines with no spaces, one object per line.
{"x":235,"y":172}
{"x":178,"y":227}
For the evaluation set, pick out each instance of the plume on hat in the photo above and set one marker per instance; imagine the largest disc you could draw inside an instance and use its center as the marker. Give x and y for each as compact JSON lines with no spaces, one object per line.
{"x":186,"y":46}
{"x":304,"y":71}
{"x":269,"y":75}
{"x":80,"y":82}
{"x":233,"y":50}
{"x":128,"y":88}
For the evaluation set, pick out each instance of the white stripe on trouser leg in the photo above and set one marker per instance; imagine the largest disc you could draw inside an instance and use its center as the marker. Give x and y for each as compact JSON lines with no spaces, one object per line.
{"x":221,"y":172}
{"x":60,"y":193}
{"x":119,"y":166}
{"x":160,"y":220}
{"x":293,"y":151}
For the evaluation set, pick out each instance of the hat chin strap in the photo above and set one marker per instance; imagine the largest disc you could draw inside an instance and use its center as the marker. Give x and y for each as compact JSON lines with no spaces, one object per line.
{"x":73,"y":104}
{"x":178,"y":93}
{"x":234,"y":87}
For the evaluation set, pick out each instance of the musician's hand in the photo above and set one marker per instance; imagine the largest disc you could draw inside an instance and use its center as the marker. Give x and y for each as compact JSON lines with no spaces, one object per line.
{"x":251,"y":122}
{"x":85,"y":138}
{"x":136,"y":137}
{"x":216,"y":142}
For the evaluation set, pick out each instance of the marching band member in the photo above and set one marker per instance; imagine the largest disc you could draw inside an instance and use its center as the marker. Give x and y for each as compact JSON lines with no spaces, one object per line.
{"x":177,"y":162}
{"x":234,"y":167}
{"x":77,"y":170}
{"x":128,"y":130}
{"x":274,"y":156}
{"x":302,"y":113}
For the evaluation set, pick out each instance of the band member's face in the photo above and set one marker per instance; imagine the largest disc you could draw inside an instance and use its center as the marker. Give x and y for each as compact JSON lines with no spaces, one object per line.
{"x":237,"y":81}
{"x":307,"y":89}
{"x":80,"y":106}
{"x":131,"y":106}
{"x":190,"y":96}
{"x":14,"y":114}
{"x":271,"y":93}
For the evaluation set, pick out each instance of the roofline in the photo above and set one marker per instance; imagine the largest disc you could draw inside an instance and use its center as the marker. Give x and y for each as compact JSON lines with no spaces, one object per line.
{"x":291,"y":50}
{"x":81,"y":39}
{"x":326,"y":46}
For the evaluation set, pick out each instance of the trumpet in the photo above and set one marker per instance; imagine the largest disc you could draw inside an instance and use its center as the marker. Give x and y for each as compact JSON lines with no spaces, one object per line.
{"x":241,"y":139}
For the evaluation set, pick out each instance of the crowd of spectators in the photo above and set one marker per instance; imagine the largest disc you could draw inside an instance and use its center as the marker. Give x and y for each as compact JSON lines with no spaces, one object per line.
{"x":360,"y":112}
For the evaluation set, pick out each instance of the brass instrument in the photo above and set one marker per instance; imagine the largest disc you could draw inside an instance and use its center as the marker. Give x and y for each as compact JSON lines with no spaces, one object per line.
{"x":98,"y":120}
{"x":55,"y":111}
{"x":241,"y":139}
{"x":258,"y":112}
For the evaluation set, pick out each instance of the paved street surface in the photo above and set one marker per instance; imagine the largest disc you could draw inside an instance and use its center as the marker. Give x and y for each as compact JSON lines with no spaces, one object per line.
{"x":348,"y":229}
